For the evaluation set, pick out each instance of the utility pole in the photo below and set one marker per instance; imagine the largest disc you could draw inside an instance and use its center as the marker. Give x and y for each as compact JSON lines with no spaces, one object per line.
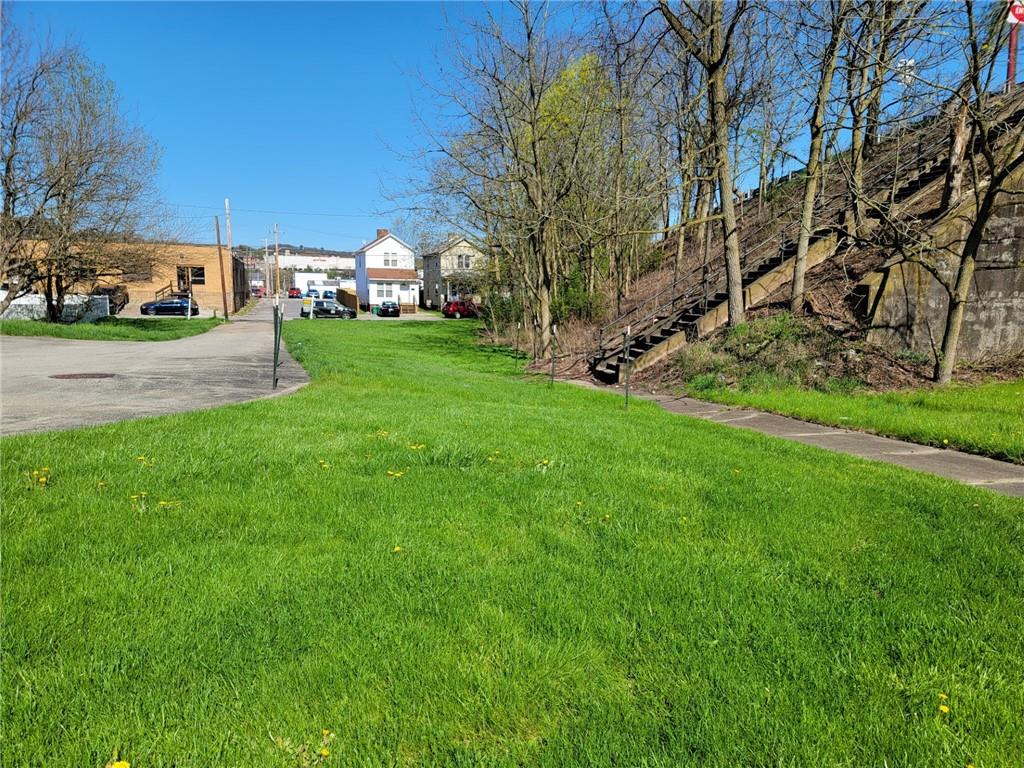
{"x":266,"y":266}
{"x":220,"y":258}
{"x":231,"y":260}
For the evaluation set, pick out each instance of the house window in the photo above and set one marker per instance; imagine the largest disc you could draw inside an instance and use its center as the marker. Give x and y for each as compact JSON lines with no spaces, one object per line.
{"x":389,"y":290}
{"x":464,"y":261}
{"x":198,"y":275}
{"x":380,"y":290}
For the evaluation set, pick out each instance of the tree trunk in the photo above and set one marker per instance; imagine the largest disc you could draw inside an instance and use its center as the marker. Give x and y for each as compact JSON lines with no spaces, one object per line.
{"x":733,"y":270}
{"x":954,"y":320}
{"x":957,"y":151}
{"x":814,"y":160}
{"x":964,"y":277}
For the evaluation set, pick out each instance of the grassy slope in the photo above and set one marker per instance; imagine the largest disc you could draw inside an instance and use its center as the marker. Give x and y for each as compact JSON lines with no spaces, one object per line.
{"x":986,"y":419}
{"x":113,"y":328}
{"x":661,"y":592}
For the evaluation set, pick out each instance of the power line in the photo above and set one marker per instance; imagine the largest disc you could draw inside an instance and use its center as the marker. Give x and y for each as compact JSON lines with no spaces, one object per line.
{"x":279,"y":213}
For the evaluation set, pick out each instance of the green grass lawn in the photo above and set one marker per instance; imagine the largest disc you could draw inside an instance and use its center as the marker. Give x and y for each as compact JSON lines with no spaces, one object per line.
{"x":986,"y":419}
{"x":114,"y":328}
{"x":444,"y":562}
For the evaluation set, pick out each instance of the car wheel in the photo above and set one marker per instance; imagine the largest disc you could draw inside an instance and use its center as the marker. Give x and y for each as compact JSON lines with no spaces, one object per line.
{"x":151,"y":312}
{"x":458,"y":315}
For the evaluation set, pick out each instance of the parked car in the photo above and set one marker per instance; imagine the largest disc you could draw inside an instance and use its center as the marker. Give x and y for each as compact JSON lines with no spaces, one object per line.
{"x":327,"y":309}
{"x":294,"y":293}
{"x":171,"y":306}
{"x":460,"y":308}
{"x":388,"y":309}
{"x":329,"y":295}
{"x":312,"y":293}
{"x":257,"y":292}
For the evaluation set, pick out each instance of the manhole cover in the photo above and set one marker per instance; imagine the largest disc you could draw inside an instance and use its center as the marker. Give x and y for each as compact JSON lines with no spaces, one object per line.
{"x":82,"y":376}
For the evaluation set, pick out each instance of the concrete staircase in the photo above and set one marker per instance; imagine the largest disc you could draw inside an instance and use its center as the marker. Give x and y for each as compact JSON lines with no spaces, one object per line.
{"x":697,"y":304}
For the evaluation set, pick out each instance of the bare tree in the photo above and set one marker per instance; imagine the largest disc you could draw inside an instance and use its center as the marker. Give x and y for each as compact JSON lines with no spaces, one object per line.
{"x":79,"y":200}
{"x":997,"y":157}
{"x":528,"y":112}
{"x":27,"y":191}
{"x":708,"y":38}
{"x":824,"y":53}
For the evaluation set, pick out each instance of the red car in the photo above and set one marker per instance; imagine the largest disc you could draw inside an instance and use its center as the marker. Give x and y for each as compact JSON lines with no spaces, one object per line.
{"x":257,"y":292}
{"x":294,"y":293}
{"x":460,"y":308}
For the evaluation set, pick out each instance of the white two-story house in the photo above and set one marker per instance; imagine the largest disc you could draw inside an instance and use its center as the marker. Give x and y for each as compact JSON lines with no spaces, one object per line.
{"x":386,"y":271}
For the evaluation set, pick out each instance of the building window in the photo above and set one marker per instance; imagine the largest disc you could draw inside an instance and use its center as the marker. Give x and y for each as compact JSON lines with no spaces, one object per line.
{"x":189,"y":276}
{"x":389,"y":290}
{"x":464,"y":261}
{"x":405,"y":286}
{"x":380,"y":290}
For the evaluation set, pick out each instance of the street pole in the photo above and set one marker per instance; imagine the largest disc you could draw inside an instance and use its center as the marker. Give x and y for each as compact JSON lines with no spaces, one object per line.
{"x":220,"y":258}
{"x":231,"y":261}
{"x":277,"y":265}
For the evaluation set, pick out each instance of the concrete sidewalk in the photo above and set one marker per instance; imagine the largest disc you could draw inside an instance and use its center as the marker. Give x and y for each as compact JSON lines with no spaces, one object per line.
{"x":229,"y":364}
{"x":999,"y":476}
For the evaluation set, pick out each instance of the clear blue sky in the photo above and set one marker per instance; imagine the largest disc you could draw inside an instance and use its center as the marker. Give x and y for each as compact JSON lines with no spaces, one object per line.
{"x":292,"y":107}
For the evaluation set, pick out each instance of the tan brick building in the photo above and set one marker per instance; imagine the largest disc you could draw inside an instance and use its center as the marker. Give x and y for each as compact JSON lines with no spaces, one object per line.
{"x":179,"y":267}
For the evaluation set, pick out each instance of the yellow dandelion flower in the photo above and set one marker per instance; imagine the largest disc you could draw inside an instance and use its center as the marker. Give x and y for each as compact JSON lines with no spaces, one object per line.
{"x":943,"y":697}
{"x":42,"y":480}
{"x":326,"y":732}
{"x":46,"y":469}
{"x":325,"y":752}
{"x":943,"y":709}
{"x":945,"y":442}
{"x":119,"y":764}
{"x":397,"y":549}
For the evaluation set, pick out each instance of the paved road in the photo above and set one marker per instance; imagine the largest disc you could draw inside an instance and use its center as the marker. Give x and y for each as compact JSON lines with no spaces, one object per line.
{"x":229,"y":364}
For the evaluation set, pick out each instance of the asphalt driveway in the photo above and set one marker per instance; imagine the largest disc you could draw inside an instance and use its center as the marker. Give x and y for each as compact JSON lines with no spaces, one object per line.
{"x":229,"y":364}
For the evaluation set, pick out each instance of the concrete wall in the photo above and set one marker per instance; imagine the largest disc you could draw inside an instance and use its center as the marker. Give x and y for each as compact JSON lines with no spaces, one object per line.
{"x":907,"y":305}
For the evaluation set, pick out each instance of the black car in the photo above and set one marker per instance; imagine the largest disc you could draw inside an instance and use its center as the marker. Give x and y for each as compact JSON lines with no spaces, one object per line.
{"x":172,"y":306}
{"x":388,"y":309}
{"x":327,"y":308}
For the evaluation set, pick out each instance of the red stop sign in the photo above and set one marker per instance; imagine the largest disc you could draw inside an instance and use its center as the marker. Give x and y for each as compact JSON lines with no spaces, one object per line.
{"x":1016,"y":12}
